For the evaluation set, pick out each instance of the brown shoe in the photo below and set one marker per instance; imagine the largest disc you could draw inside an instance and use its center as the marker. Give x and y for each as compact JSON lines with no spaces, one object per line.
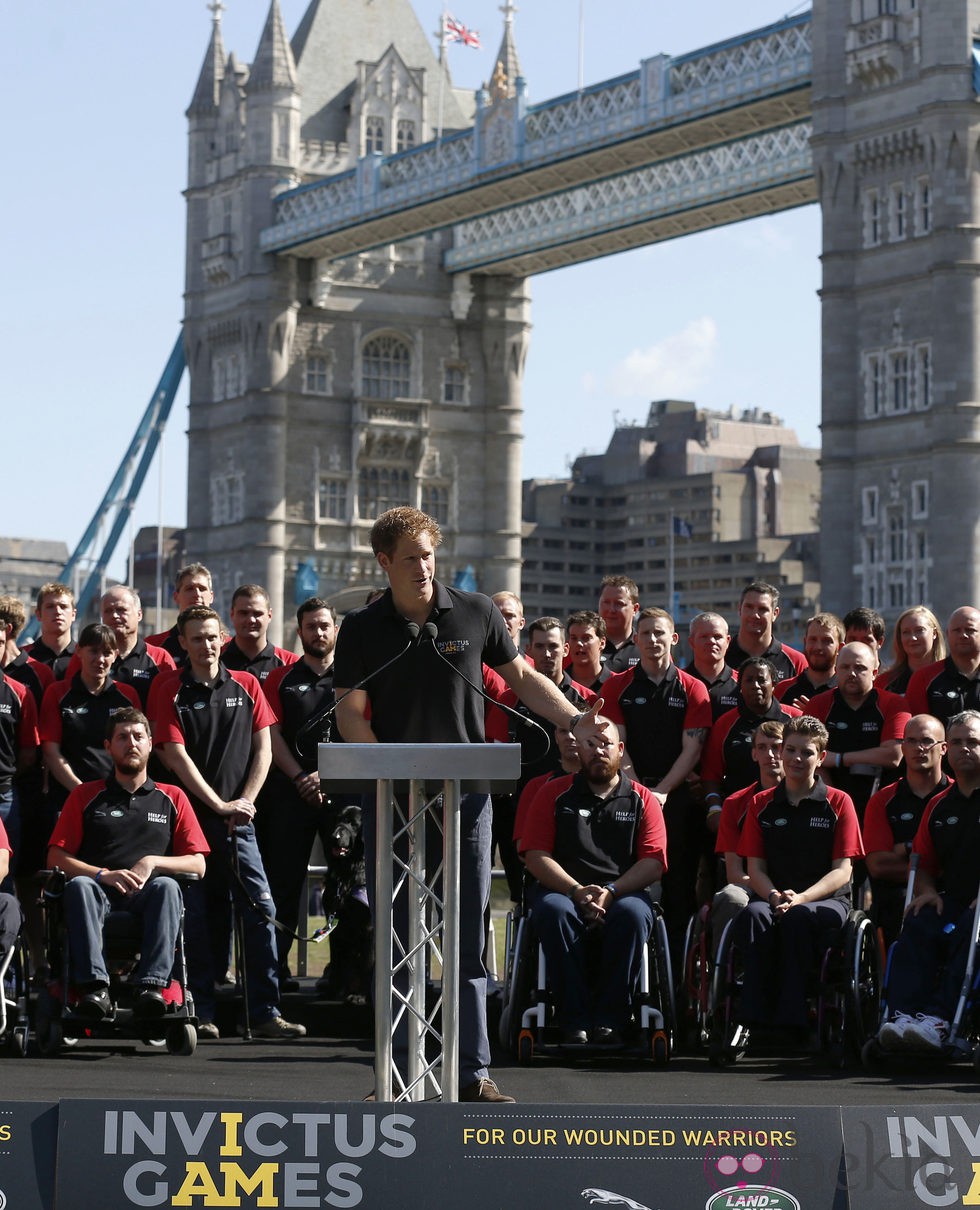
{"x":485,"y":1091}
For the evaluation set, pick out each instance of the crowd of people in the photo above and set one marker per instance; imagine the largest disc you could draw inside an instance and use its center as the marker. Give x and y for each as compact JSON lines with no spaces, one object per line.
{"x":779,"y":785}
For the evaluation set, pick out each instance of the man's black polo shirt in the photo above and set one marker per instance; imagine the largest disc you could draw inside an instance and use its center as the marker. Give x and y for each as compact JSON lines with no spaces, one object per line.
{"x":296,"y":693}
{"x":169,"y":640}
{"x":948,"y":841}
{"x":786,"y":661}
{"x":32,"y":675}
{"x":268,"y":659}
{"x":722,"y":692}
{"x":419,"y":699}
{"x":595,"y":839}
{"x":655,"y":717}
{"x":215,"y":724}
{"x":941,"y":690}
{"x":57,"y":661}
{"x":18,"y":727}
{"x":104,"y":825}
{"x":623,"y":658}
{"x":893,"y":815}
{"x":790,"y":691}
{"x":878,"y":719}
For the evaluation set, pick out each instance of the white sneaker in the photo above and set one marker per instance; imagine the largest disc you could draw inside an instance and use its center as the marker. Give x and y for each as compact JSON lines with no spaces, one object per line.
{"x":892,"y":1033}
{"x":925,"y":1033}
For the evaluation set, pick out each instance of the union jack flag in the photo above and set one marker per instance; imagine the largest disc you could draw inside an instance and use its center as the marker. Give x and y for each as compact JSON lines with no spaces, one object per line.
{"x":456,"y":31}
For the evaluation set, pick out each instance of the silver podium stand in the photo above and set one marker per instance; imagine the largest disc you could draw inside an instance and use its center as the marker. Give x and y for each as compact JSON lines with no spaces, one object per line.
{"x":433,"y":919}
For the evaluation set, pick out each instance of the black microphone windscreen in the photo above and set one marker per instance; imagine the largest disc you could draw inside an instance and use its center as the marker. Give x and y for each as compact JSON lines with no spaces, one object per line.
{"x":430,"y":630}
{"x":412,"y":630}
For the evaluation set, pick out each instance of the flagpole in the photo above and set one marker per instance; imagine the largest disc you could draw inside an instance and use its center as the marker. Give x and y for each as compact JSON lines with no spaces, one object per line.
{"x":581,"y":45}
{"x":442,"y":71}
{"x":670,"y":563}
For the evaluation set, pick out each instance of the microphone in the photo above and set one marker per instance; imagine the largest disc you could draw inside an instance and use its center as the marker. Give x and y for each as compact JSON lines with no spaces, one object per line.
{"x":430,"y":631}
{"x":412,"y":630}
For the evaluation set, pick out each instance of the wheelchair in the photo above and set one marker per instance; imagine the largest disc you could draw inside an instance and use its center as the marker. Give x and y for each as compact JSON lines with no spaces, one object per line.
{"x":963,"y":1042}
{"x":56,"y":1021}
{"x":14,"y":1021}
{"x":843,"y":997}
{"x":528,"y":1021}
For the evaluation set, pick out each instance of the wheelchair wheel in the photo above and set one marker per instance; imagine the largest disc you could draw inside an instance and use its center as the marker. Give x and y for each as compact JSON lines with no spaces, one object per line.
{"x":520,"y":986}
{"x":49,"y":1036}
{"x":873,"y":1057}
{"x":17,"y":1041}
{"x":862,"y":970}
{"x":662,"y":979}
{"x":693,"y":1014}
{"x":181,"y":1040}
{"x":525,"y":1048}
{"x":660,"y":1049}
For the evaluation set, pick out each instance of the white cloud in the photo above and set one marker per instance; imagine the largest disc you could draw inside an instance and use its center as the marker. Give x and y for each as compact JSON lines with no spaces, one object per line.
{"x":673,"y":368}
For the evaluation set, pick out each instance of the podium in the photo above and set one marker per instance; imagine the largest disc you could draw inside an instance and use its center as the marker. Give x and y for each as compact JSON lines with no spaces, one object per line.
{"x":434,"y":777}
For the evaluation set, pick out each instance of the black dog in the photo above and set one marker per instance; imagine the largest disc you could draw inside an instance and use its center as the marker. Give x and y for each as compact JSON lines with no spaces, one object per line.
{"x":348,"y":977}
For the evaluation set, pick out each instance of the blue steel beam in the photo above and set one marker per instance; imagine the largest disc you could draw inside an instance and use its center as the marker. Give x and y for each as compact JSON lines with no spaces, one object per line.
{"x":123,"y":490}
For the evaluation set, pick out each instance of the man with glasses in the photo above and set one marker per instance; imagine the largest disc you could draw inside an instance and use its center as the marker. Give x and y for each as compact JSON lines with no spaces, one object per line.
{"x":893,"y":815}
{"x":930,"y":956}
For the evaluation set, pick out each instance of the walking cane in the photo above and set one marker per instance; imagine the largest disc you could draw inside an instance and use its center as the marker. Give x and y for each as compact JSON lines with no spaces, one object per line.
{"x":239,"y":919}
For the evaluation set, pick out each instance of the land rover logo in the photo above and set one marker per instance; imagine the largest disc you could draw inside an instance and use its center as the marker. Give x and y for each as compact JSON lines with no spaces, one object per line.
{"x":752,"y":1197}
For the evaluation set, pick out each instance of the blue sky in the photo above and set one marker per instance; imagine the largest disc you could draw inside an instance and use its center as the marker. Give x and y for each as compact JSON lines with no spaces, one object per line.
{"x":94,"y":248}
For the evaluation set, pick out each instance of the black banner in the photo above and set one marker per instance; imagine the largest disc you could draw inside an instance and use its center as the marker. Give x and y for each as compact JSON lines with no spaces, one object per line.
{"x":912,"y":1156}
{"x":344,"y":1155}
{"x":28,"y":1142}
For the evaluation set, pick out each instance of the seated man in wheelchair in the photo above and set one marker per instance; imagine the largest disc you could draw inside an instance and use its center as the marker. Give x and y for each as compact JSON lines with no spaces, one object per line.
{"x":594,"y":846}
{"x":10,"y":913}
{"x":799,"y":840}
{"x":116,"y":841}
{"x":930,"y":956}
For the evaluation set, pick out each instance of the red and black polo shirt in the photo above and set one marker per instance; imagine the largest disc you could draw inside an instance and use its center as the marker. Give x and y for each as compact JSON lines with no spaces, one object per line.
{"x":104,"y":824}
{"x":260,"y":666}
{"x":655,"y":717}
{"x":728,"y":752}
{"x":18,"y":727}
{"x":786,"y":661}
{"x":893,"y":815}
{"x":595,"y":839}
{"x":948,"y":843}
{"x":800,"y":844}
{"x":76,"y":720}
{"x":214,"y":723}
{"x":941,"y":690}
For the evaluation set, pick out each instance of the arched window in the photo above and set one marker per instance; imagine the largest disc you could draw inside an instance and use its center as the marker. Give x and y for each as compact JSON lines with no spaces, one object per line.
{"x":386,"y":365}
{"x":406,"y":135}
{"x":374,"y":134}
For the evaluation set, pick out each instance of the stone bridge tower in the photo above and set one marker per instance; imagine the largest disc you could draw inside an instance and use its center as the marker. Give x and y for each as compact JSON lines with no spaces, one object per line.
{"x":896,"y":128}
{"x":324,"y":392}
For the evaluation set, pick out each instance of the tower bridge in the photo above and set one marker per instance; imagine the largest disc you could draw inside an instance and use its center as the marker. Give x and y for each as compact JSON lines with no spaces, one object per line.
{"x":681,"y":143}
{"x":357,"y":315}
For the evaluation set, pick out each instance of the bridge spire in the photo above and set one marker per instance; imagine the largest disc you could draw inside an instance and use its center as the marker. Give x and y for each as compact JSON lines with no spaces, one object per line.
{"x":208,"y":87}
{"x":507,"y":68}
